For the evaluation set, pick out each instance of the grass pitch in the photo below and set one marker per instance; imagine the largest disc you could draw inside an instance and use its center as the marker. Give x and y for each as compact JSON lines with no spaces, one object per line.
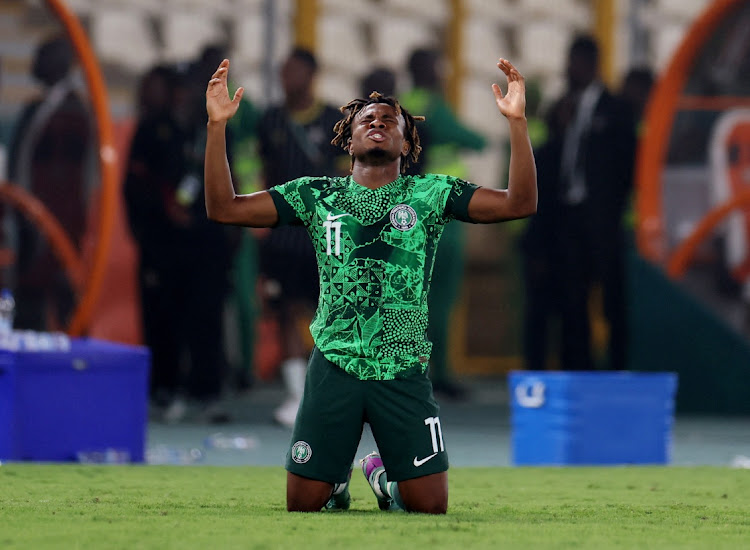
{"x":91,"y":507}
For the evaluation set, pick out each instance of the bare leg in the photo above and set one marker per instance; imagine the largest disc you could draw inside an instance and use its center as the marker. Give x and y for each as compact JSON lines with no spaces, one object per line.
{"x":427,"y":495}
{"x":306,"y":495}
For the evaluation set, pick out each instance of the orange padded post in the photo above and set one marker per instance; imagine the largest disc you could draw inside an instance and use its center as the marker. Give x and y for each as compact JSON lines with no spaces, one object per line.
{"x":107,"y":166}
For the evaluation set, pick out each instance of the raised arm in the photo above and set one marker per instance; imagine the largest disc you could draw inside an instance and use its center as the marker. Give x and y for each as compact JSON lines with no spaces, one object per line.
{"x":222,"y":203}
{"x":519,"y":199}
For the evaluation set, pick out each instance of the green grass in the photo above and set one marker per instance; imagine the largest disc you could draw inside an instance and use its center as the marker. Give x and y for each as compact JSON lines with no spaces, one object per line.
{"x":73,"y":506}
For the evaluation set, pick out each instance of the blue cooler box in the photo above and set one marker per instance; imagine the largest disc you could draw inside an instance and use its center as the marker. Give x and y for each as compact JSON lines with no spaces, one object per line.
{"x":560,"y":418}
{"x":89,"y":400}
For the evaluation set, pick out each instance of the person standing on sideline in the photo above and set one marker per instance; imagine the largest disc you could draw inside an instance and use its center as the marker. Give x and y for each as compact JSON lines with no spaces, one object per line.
{"x":381,"y":80}
{"x":3,"y":151}
{"x":540,"y":248}
{"x":635,"y":90}
{"x":183,"y":257}
{"x":243,"y":296}
{"x":51,"y":156}
{"x":596,"y":174}
{"x":294,"y":140}
{"x":375,"y":234}
{"x":444,"y":137}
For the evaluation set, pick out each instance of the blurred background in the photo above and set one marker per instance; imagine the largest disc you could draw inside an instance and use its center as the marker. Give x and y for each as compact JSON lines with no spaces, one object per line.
{"x":71,"y":250}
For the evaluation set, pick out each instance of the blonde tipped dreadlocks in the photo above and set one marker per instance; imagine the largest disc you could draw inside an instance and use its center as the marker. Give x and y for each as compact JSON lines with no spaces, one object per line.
{"x":343,"y":127}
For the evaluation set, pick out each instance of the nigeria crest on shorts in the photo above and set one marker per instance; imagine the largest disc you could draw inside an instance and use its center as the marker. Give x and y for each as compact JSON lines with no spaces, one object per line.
{"x":301,"y":452}
{"x":403,"y":217}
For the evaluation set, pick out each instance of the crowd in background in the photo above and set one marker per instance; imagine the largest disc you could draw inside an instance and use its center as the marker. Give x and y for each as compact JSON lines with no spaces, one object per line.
{"x":190,"y":269}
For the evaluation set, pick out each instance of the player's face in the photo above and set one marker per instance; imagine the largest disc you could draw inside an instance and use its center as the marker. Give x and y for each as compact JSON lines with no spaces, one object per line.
{"x":378,"y":135}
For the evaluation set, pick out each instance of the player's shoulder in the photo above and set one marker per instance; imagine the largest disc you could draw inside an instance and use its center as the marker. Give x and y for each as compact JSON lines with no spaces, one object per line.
{"x":317,"y":182}
{"x":432,"y":180}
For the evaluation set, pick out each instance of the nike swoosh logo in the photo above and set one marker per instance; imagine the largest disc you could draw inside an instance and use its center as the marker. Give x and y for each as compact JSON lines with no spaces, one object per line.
{"x":418,"y":462}
{"x":331,"y":218}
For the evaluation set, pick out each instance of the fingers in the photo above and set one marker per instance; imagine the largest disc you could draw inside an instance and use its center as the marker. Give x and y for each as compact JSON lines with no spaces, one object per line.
{"x":222,"y":71}
{"x":238,"y":95}
{"x":510,"y":71}
{"x":214,"y":86}
{"x":497,"y":91}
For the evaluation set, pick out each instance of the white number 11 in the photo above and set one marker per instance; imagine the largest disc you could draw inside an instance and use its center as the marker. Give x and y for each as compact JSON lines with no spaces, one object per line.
{"x":336,"y":227}
{"x":435,"y":431}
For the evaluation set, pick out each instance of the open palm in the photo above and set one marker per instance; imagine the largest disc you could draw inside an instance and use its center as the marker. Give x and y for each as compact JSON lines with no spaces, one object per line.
{"x":513,"y":103}
{"x":220,"y":108}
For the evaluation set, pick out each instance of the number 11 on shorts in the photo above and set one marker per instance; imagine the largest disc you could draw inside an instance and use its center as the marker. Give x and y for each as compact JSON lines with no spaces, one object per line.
{"x":435,"y":432}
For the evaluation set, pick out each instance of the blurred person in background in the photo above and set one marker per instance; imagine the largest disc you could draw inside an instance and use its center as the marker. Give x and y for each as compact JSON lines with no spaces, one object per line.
{"x":635,"y":90}
{"x":51,"y":156}
{"x":444,"y":137}
{"x":155,"y":166}
{"x":381,"y":80}
{"x":3,"y":136}
{"x":294,"y":141}
{"x":184,"y":258}
{"x":536,"y":237}
{"x":595,"y":180}
{"x":376,"y":234}
{"x":541,"y":248}
{"x":6,"y":254}
{"x":246,"y":172}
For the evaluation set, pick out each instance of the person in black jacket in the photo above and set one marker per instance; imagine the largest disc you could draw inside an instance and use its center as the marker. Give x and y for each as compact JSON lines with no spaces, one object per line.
{"x":595,"y":179}
{"x":50,"y":156}
{"x":540,"y":246}
{"x":184,"y":257}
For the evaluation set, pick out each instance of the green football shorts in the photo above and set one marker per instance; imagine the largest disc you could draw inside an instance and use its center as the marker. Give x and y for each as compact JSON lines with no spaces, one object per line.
{"x":402,"y":414}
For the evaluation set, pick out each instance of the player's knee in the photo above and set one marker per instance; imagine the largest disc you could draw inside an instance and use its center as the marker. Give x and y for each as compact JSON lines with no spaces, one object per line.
{"x":304,"y":504}
{"x":306,"y":495}
{"x":432,"y":504}
{"x":436,"y":507}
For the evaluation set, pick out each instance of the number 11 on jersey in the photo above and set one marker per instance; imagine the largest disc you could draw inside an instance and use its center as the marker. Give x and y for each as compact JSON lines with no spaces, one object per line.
{"x":333,"y":237}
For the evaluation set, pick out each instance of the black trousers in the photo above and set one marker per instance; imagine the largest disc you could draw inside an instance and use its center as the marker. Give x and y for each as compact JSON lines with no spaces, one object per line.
{"x":183,"y":325}
{"x":592,"y":255}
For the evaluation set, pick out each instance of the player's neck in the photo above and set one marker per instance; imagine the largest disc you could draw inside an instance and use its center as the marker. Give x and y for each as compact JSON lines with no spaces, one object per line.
{"x":375,"y":176}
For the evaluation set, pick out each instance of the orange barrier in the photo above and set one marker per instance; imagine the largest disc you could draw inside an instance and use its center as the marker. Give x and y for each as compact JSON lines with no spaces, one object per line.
{"x":107,"y":166}
{"x":7,"y":257}
{"x":117,"y":314}
{"x":680,"y":259}
{"x":721,"y":103}
{"x":659,"y":118}
{"x":34,"y":210}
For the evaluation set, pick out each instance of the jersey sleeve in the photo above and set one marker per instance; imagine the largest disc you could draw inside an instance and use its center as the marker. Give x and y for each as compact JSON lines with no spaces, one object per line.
{"x":459,"y":195}
{"x":289,"y":202}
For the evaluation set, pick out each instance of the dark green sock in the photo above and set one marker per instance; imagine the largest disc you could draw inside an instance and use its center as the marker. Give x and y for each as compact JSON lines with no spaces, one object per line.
{"x":390,"y":489}
{"x":340,"y":498}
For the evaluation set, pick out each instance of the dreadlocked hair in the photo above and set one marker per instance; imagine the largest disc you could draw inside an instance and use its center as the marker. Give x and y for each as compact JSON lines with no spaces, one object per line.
{"x":343,"y":127}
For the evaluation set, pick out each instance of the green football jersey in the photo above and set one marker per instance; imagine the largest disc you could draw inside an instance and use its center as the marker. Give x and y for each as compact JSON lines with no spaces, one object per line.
{"x":375,"y":250}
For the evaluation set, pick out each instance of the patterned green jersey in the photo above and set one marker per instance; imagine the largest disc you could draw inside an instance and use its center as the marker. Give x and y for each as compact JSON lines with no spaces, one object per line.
{"x":375,"y":251}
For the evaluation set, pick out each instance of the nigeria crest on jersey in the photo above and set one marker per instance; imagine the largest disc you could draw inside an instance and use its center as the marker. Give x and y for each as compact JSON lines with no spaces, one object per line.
{"x":403,"y":217}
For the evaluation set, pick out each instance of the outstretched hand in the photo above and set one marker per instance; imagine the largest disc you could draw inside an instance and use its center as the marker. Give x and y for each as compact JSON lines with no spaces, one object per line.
{"x":513,"y":103}
{"x":220,"y":108}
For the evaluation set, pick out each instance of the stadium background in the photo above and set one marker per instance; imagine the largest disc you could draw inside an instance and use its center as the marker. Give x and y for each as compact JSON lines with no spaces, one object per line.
{"x":128,"y":36}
